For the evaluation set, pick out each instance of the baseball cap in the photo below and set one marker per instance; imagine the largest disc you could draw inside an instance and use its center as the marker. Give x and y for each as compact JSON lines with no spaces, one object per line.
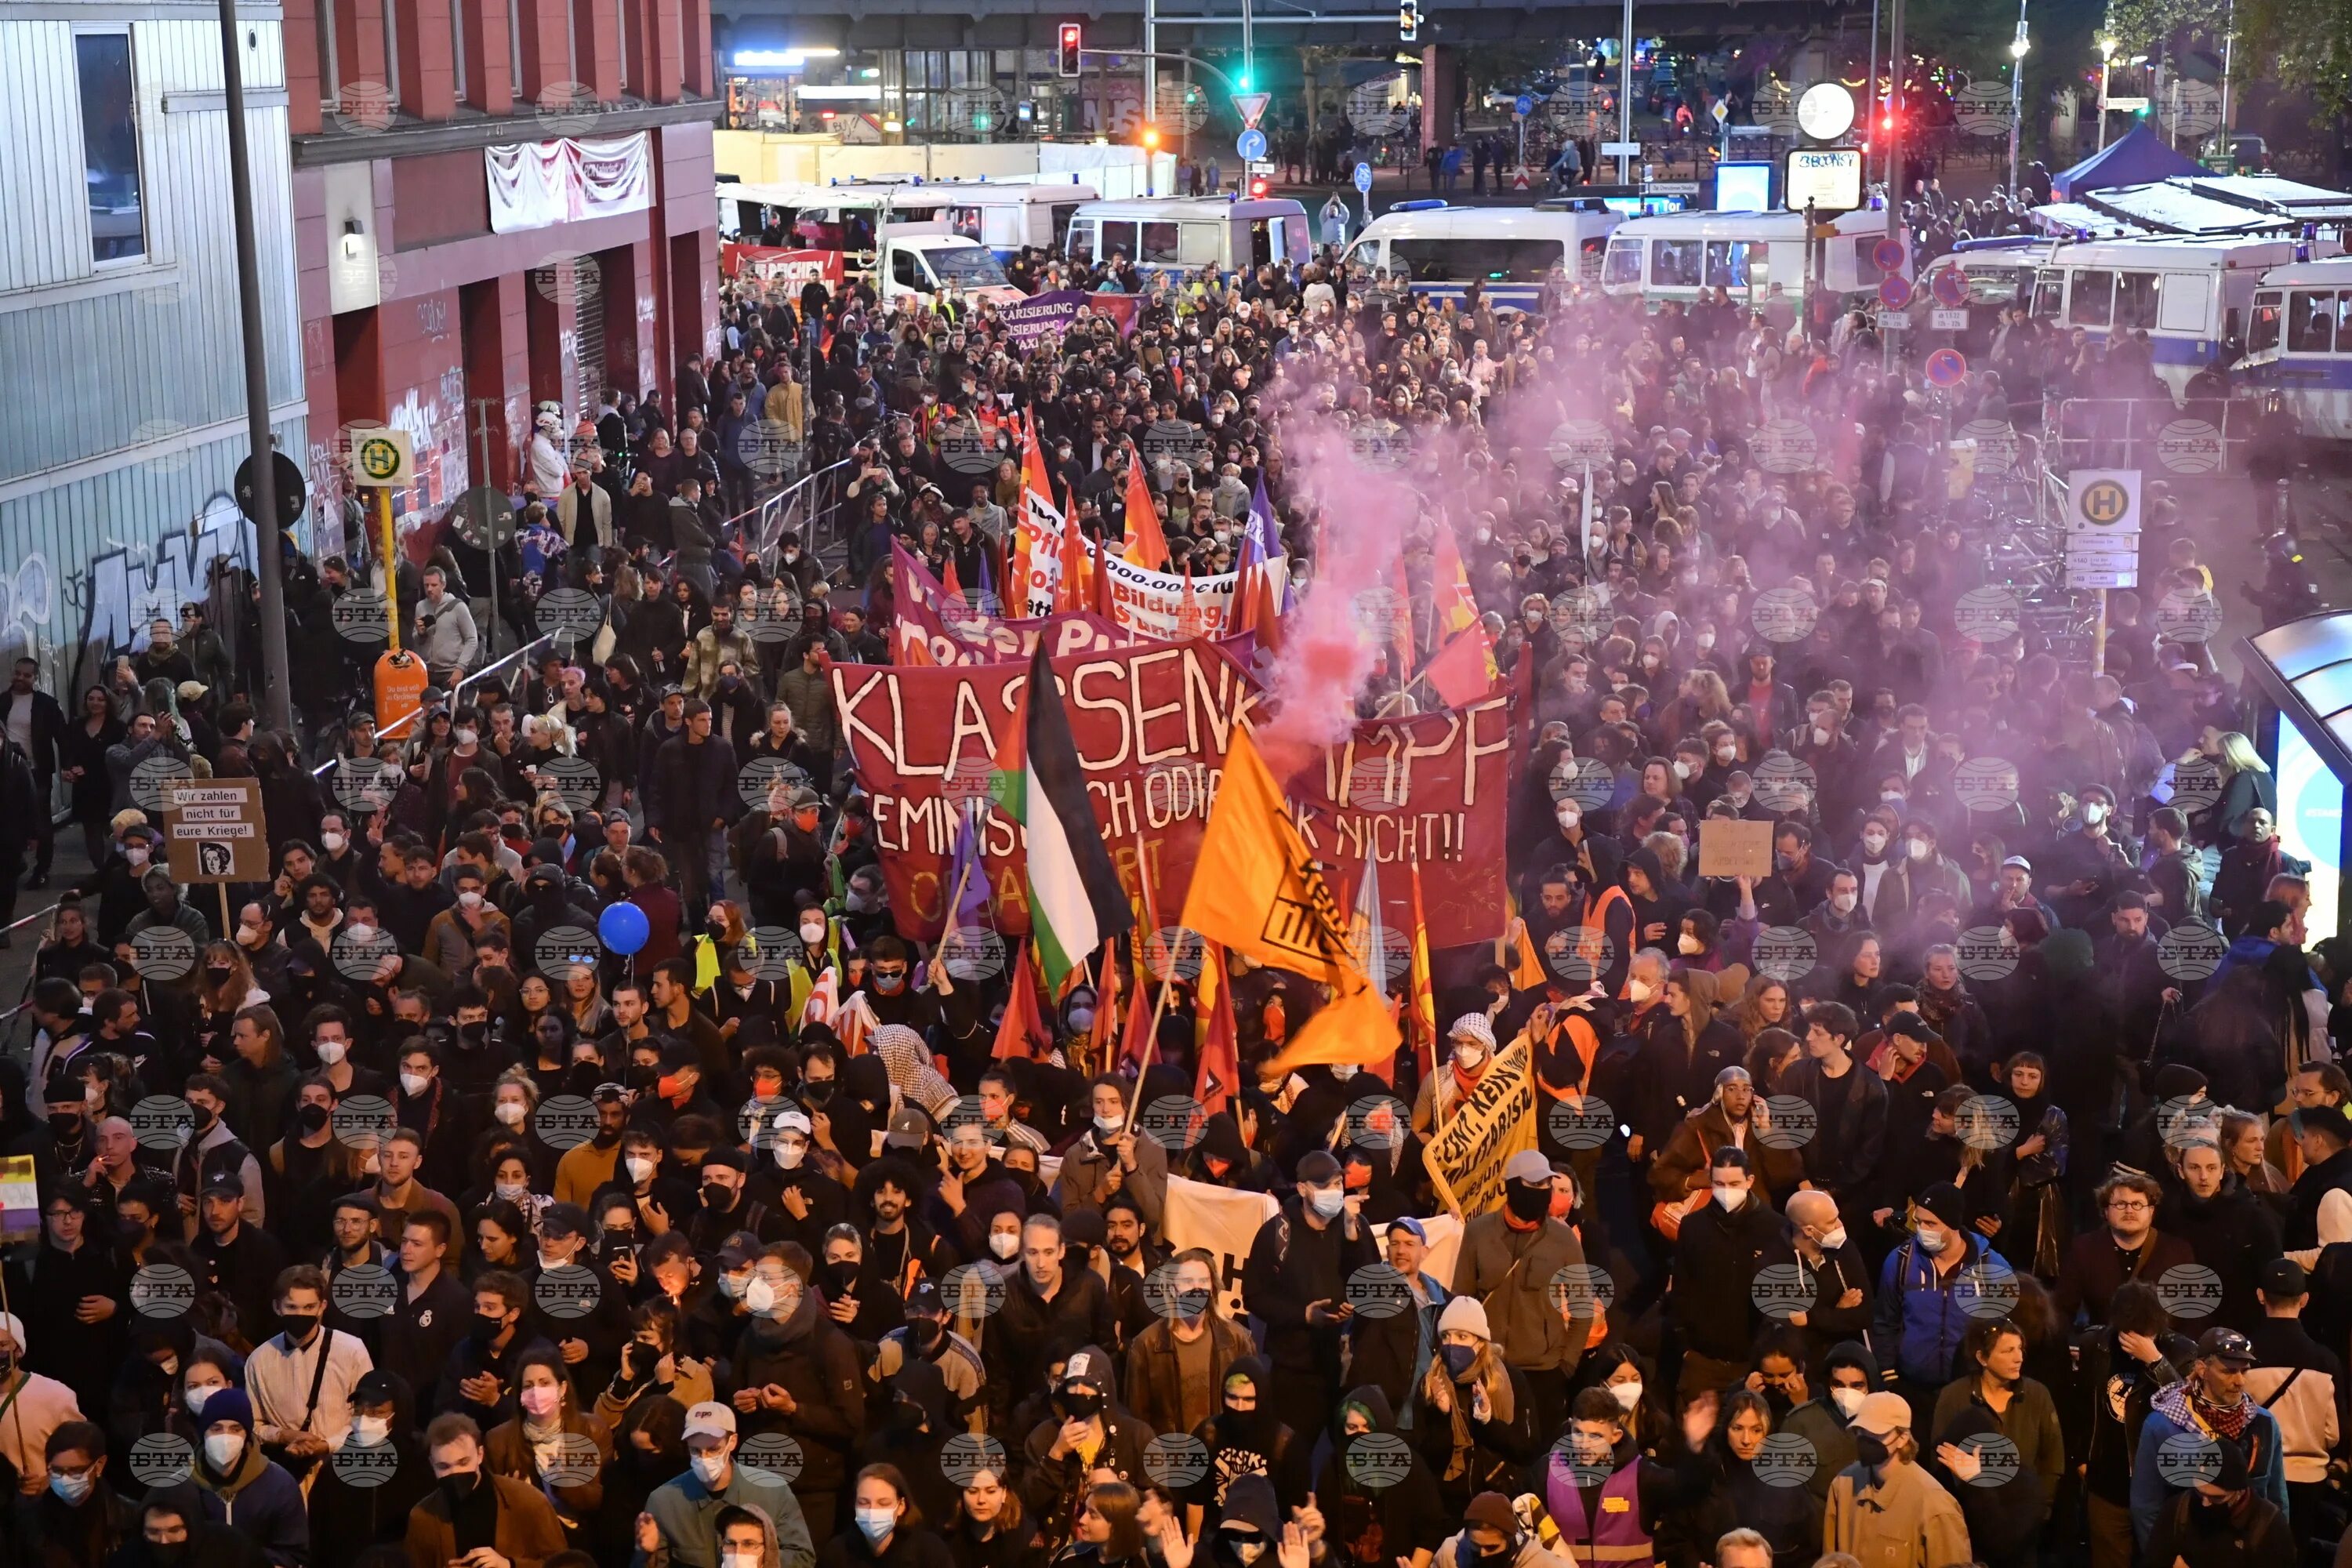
{"x":2328,"y":1119}
{"x":223,"y":1183}
{"x":563,"y":1219}
{"x":907,"y":1129}
{"x":709,"y":1419}
{"x":793,"y":1120}
{"x":1410,"y":1226}
{"x":2020,"y":862}
{"x":2226,"y":1345}
{"x":1528,"y":1165}
{"x":1882,"y":1413}
{"x":2283,"y":1278}
{"x":1086,"y":1365}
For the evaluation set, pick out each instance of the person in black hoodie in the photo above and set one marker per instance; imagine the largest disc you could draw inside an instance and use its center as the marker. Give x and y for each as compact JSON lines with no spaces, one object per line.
{"x":1399,"y":1513}
{"x":2228,"y":1229}
{"x":171,"y":1532}
{"x":1087,"y":1419}
{"x":908,"y":1433}
{"x":78,"y":1520}
{"x":1846,"y":1377}
{"x":1716,"y":1253}
{"x":1247,"y":1437}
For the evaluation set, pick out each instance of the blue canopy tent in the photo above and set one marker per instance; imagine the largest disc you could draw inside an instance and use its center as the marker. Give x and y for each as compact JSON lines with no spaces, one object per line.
{"x":2139,"y":158}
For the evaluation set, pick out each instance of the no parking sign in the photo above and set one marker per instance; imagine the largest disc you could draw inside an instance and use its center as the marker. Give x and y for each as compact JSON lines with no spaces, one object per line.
{"x":1947,"y":368}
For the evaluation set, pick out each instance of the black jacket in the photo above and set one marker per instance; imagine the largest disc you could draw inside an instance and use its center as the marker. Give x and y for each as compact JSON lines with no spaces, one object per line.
{"x":1716,"y":1253}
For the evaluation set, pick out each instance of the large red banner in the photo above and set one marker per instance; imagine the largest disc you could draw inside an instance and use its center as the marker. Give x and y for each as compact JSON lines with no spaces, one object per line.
{"x":1152,"y":725}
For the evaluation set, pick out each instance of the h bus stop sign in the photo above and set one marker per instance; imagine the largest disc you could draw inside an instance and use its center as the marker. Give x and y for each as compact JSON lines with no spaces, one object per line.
{"x":1364,"y":179}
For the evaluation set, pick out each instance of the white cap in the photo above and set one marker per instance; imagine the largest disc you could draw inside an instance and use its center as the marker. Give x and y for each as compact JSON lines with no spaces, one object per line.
{"x":709,"y":1419}
{"x":14,"y":1326}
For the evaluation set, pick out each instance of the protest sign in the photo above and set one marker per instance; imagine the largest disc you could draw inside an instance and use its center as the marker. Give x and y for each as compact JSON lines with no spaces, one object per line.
{"x":1152,"y":724}
{"x":1728,"y":847}
{"x":1466,"y":1157}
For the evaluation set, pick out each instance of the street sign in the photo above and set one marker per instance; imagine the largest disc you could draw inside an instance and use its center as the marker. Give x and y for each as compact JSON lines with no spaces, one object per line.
{"x":1894,"y":322}
{"x":2105,"y":502}
{"x":1889,"y":254}
{"x":1950,"y":288}
{"x":1722,"y":111}
{"x":1827,"y":179}
{"x":1945,"y":367}
{"x":213,"y":831}
{"x":1621,"y":149}
{"x":485,"y":518}
{"x":1523,"y":106}
{"x":1895,"y":290}
{"x":1251,"y":107}
{"x":1251,"y":144}
{"x":1364,"y":178}
{"x":287,"y":480}
{"x":382,"y":458}
{"x":1949,"y":321}
{"x":2124,"y":105}
{"x":1671,"y":188}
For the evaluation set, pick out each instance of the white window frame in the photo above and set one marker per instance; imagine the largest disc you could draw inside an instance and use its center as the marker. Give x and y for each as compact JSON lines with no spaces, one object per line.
{"x":457,"y":50}
{"x":146,"y":257}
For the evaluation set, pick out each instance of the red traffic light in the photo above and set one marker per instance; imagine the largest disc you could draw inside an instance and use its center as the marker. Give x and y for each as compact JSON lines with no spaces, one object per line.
{"x":1069,"y":40}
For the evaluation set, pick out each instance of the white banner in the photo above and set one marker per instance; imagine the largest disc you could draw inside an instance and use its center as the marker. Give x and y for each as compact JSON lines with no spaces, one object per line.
{"x":1149,"y":603}
{"x":537,"y":184}
{"x":1223,"y":1223}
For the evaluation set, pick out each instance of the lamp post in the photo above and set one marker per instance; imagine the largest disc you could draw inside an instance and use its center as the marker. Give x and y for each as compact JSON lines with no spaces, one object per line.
{"x":2018,"y":47}
{"x":2106,"y":64}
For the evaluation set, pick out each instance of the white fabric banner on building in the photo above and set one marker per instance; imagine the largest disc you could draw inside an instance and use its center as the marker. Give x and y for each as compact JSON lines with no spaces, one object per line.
{"x":537,"y":184}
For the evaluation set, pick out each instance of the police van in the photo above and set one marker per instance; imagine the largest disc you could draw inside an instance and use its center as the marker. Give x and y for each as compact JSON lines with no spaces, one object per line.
{"x":1006,"y":217}
{"x":2299,"y":342}
{"x":2193,"y":297}
{"x":1674,"y":255}
{"x":1508,"y":251}
{"x":1186,"y":234}
{"x":898,"y":237}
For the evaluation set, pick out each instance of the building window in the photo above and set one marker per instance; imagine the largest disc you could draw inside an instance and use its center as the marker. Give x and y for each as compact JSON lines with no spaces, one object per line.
{"x":330,"y":70}
{"x":110,"y":146}
{"x":621,"y":44}
{"x":457,"y":50}
{"x":514,"y":42}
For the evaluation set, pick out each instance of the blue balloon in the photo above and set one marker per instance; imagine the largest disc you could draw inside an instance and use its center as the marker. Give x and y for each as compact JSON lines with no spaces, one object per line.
{"x":623,"y":928}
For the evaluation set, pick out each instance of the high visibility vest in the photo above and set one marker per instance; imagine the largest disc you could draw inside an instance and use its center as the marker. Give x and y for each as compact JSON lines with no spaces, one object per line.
{"x":1615,"y":1537}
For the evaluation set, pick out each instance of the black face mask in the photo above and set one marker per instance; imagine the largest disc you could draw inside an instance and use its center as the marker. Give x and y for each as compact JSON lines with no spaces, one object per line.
{"x":472,"y":1036}
{"x":838,"y":1279}
{"x":167,"y":1553}
{"x":202,"y":1117}
{"x":926,"y":1333}
{"x":64,"y":1125}
{"x":717,"y":1196}
{"x":487,"y":1326}
{"x":1528,"y":1203}
{"x":298,"y":1326}
{"x":311,"y":1117}
{"x":817,"y":1091}
{"x":1079,"y":1403}
{"x":460,"y":1487}
{"x":1872,"y":1451}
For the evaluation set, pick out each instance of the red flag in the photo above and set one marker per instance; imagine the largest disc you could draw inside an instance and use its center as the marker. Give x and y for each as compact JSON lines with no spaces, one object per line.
{"x":1219,"y":1075}
{"x":1266,"y":620}
{"x":1400,"y":626}
{"x":1421,"y":1001}
{"x":949,"y":586}
{"x":1136,"y":1040}
{"x":1106,"y":1024}
{"x":1147,"y":545}
{"x":1070,"y":593}
{"x":1464,"y":670}
{"x":1022,"y":1034}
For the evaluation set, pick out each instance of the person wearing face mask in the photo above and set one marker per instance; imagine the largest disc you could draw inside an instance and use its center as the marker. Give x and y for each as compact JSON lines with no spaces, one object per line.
{"x":245,"y":1488}
{"x":1295,"y":1281}
{"x":1832,"y":1291}
{"x":474,"y":1516}
{"x":800,"y":1377}
{"x":1086,"y":1432}
{"x":2221,"y":1521}
{"x":1915,"y":1313}
{"x":1883,"y":1508}
{"x":1113,"y":1156}
{"x":1718,"y":1249}
{"x":1471,"y":1416}
{"x":79,"y":1519}
{"x":683,"y":1524}
{"x":929,"y":1336}
{"x":544,"y":1446}
{"x":1523,"y":1239}
{"x":1050,"y":1301}
{"x":301,"y":1379}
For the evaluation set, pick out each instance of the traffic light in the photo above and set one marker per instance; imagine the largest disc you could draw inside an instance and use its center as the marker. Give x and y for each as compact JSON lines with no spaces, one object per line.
{"x":1408,"y":20}
{"x":1150,"y":138}
{"x":1069,"y":48}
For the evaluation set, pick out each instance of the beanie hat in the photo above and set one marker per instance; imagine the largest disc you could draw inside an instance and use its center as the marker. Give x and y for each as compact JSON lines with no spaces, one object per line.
{"x":1465,"y":1314}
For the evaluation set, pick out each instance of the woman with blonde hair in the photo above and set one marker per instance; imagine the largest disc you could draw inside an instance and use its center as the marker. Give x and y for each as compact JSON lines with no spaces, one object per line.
{"x":1765,"y":1005}
{"x":2246,"y":784}
{"x":1476,"y":1409}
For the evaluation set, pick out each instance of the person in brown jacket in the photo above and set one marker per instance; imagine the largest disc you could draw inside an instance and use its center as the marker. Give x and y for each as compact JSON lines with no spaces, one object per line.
{"x":1189,"y":1325}
{"x":1735,"y":1114}
{"x":582,"y":1443}
{"x":473,"y":1517}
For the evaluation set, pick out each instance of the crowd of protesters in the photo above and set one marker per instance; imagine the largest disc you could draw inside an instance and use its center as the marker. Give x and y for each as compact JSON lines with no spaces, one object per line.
{"x":1952,"y":1208}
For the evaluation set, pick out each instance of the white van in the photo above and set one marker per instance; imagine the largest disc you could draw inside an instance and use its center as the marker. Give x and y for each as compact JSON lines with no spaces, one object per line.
{"x":1005,"y":216}
{"x":897,"y":237}
{"x":1676,"y":254}
{"x":1186,"y":234}
{"x":1508,"y":251}
{"x":2299,"y":343}
{"x":2192,"y":297}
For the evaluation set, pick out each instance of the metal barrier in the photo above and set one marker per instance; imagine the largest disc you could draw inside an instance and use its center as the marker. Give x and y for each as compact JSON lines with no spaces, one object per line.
{"x":820,"y":529}
{"x":2159,"y":437}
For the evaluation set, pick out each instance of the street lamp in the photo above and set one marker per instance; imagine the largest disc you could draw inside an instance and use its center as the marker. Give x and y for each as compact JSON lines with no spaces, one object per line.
{"x":2106,"y":69}
{"x":2018,"y":47}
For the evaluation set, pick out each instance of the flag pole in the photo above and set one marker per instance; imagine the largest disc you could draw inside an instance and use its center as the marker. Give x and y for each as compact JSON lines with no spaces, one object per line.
{"x":1158,"y":1006}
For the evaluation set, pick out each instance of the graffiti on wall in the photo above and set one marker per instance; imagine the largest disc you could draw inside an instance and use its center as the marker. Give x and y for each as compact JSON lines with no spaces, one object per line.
{"x":120,"y":593}
{"x":435,"y":420}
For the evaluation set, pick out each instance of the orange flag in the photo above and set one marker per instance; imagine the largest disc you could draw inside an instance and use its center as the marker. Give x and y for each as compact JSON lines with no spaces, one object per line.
{"x":1269,"y":901}
{"x":1147,"y":545}
{"x":1022,"y":1033}
{"x":1421,"y":1000}
{"x":1456,"y":605}
{"x":1219,"y":1075}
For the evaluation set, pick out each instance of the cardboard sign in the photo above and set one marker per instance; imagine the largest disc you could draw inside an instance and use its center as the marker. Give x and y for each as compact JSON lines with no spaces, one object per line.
{"x":1733,"y":847}
{"x":213,"y":831}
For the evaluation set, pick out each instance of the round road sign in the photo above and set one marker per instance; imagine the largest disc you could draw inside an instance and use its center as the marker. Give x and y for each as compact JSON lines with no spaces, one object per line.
{"x":1889,"y":254}
{"x":1947,"y":367}
{"x":1894,"y":292}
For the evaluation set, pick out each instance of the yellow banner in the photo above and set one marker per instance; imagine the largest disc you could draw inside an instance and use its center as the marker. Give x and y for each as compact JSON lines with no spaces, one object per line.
{"x":1466,"y":1157}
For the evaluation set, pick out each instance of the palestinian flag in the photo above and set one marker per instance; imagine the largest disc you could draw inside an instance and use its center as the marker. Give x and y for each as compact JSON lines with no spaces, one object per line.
{"x":1076,"y":902}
